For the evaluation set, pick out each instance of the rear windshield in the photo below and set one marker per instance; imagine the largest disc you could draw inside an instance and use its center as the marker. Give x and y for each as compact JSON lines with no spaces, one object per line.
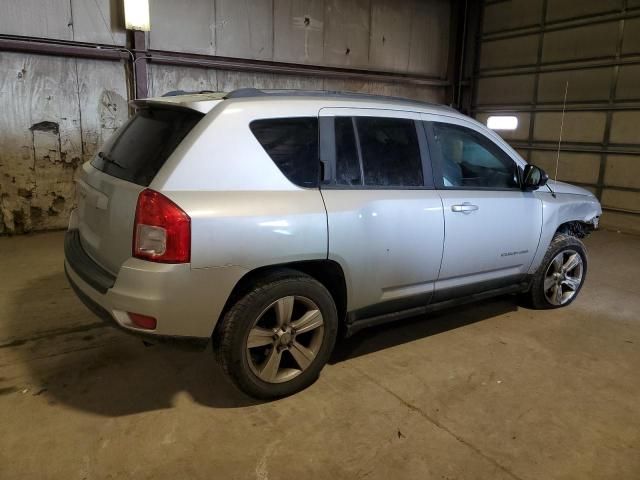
{"x":139,"y":149}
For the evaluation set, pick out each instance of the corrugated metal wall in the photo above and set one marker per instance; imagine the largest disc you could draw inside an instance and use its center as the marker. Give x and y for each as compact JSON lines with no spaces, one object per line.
{"x":529,"y":50}
{"x":55,"y":111}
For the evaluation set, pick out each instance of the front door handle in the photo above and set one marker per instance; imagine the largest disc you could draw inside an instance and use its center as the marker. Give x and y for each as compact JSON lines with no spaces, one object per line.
{"x":465,"y":208}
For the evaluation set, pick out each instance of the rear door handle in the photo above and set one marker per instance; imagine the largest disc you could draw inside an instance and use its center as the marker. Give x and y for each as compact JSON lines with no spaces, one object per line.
{"x":465,"y":208}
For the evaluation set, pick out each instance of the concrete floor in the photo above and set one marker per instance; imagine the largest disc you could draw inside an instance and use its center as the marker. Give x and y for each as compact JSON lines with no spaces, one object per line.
{"x":489,"y":391}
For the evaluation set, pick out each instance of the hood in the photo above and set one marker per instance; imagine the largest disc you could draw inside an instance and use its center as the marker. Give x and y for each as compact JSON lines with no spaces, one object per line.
{"x":561,"y":187}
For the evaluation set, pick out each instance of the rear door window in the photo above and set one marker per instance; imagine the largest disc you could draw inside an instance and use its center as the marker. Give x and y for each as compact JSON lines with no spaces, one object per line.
{"x":292,"y":144}
{"x":390,"y":152}
{"x":377,"y":152}
{"x":141,"y":147}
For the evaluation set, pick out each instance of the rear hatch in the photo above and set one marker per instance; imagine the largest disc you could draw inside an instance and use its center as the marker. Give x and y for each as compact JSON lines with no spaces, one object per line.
{"x":109,"y":185}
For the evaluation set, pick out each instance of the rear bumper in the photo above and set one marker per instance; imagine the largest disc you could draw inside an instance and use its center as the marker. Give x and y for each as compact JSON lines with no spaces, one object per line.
{"x":185,"y":302}
{"x":190,"y":343}
{"x":89,"y":271}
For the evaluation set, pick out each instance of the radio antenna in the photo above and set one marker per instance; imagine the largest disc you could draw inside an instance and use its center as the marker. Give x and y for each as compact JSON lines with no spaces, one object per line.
{"x":564,"y":106}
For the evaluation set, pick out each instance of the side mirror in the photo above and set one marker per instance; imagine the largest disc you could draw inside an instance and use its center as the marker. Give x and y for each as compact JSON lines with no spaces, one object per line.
{"x":533,"y":178}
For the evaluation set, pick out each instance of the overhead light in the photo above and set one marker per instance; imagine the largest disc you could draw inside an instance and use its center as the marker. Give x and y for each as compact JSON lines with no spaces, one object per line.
{"x":502,"y":122}
{"x":136,"y":15}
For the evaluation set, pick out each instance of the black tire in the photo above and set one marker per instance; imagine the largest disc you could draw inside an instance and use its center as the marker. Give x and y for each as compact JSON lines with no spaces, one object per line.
{"x":536,"y":297}
{"x":230,"y":342}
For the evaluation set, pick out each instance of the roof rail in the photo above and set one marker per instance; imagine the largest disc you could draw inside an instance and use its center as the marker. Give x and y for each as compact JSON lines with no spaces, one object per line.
{"x":176,"y":93}
{"x":245,"y":93}
{"x":255,"y":92}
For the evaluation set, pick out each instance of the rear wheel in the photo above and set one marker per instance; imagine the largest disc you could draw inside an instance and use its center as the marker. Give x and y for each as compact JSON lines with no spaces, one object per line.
{"x":275,"y":339}
{"x":560,"y":275}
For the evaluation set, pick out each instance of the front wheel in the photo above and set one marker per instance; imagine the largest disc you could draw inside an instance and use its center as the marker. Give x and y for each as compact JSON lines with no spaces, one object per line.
{"x":275,"y":340}
{"x":560,"y":275}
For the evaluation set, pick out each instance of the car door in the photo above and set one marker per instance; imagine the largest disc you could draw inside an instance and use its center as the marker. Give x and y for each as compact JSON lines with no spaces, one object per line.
{"x":492,"y":226}
{"x":385,"y":219}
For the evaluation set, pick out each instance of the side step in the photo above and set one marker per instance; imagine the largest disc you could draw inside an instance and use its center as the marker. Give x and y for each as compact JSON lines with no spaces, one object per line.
{"x":363,"y":323}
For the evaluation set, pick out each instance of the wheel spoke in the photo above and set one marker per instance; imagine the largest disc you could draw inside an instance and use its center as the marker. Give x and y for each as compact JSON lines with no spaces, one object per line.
{"x":302,"y":355}
{"x":572,"y":283}
{"x":572,"y":262}
{"x":271,"y":366}
{"x":284,"y":310}
{"x":309,"y":321}
{"x":259,"y":337}
{"x":557,"y":294}
{"x":557,"y":263}
{"x":549,"y":282}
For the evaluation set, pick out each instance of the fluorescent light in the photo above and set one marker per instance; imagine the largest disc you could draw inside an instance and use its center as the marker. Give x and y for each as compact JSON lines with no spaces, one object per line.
{"x":502,"y":122}
{"x":136,"y":15}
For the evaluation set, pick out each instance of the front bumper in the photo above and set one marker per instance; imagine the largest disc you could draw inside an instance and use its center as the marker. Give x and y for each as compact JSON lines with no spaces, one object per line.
{"x":185,"y":302}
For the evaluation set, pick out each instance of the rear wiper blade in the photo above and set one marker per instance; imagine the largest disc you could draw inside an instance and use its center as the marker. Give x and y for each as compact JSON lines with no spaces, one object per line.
{"x":108,"y":159}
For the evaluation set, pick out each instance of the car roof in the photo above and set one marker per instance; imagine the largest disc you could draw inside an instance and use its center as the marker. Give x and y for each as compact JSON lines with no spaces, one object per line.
{"x":204,"y":101}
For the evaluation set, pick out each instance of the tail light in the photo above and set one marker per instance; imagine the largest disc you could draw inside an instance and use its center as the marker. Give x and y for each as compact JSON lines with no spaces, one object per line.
{"x":162,"y":230}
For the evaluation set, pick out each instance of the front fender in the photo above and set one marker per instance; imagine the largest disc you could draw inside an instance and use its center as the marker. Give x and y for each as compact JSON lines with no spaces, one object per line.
{"x":559,"y":209}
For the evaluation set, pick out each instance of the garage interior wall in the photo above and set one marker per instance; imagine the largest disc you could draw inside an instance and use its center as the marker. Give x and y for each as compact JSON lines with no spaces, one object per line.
{"x":529,"y":50}
{"x":56,"y":110}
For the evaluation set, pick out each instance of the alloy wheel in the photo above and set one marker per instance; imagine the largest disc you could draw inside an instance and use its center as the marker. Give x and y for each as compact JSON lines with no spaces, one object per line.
{"x":563,"y":277}
{"x":285,"y":339}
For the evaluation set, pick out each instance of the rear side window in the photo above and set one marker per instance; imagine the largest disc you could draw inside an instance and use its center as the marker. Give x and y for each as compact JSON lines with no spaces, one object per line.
{"x":141,"y":147}
{"x":390,"y":152}
{"x":292,"y":144}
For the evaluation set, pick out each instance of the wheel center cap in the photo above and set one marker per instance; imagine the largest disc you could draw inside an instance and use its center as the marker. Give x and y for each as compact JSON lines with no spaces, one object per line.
{"x":285,"y":338}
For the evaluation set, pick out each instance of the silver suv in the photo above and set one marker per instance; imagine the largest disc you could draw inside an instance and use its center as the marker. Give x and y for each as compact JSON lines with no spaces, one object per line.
{"x":269,"y":221}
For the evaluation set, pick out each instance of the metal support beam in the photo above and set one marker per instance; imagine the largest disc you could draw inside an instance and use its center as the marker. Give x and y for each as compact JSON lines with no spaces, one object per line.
{"x":456,"y":47}
{"x":469,"y":56}
{"x":612,"y":96}
{"x":536,"y":79}
{"x":247,"y":65}
{"x":61,"y":48}
{"x":595,"y":106}
{"x":139,"y":45}
{"x":560,"y":66}
{"x":577,"y":147}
